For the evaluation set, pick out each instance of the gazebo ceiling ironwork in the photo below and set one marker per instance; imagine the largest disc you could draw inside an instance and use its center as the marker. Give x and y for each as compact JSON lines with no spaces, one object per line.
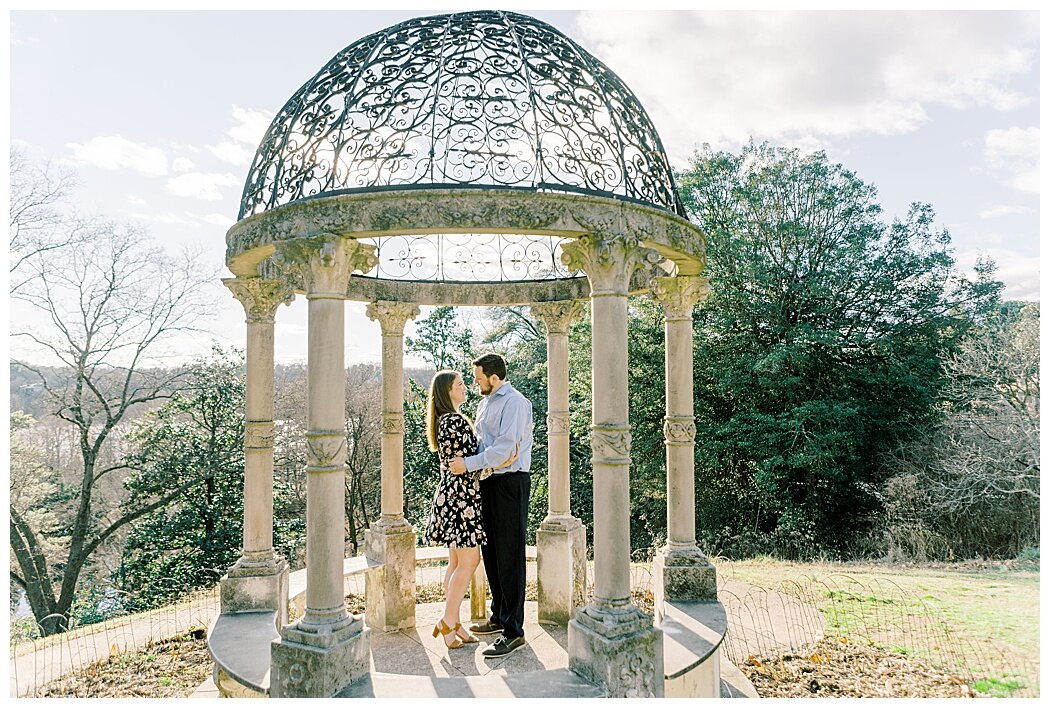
{"x":478,"y":99}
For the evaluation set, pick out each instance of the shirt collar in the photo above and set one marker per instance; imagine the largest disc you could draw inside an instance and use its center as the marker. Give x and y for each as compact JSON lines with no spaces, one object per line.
{"x":503,"y":389}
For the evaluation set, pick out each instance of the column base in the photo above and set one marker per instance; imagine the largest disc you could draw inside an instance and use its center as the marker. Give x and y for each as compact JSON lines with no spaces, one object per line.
{"x":390,"y":590}
{"x":682,"y":574}
{"x":619,"y":649}
{"x":253,"y":585}
{"x":314,"y":663}
{"x":561,"y":568}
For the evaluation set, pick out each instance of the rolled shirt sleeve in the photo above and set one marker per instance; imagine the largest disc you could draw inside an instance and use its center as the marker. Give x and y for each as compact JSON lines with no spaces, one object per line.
{"x":512,"y":428}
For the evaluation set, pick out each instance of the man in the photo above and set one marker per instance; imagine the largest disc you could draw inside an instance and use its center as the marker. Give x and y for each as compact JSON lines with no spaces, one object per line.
{"x":503,"y":425}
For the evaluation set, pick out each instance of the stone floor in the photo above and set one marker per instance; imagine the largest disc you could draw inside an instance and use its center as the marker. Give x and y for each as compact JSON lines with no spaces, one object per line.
{"x":417,"y":651}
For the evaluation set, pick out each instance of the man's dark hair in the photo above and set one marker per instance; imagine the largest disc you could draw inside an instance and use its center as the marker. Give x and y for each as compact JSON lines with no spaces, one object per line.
{"x":492,"y":364}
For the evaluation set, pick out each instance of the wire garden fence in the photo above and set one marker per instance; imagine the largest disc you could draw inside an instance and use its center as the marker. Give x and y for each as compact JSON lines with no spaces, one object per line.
{"x":788,"y":619}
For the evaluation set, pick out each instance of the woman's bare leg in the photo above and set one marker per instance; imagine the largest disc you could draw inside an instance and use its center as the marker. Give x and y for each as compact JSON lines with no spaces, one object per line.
{"x":466,"y":562}
{"x":453,"y":559}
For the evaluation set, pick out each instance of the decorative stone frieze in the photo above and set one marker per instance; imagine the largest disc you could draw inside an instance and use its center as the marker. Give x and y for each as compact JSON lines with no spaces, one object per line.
{"x":610,"y":444}
{"x":557,"y":317}
{"x":258,"y":435}
{"x":558,"y":423}
{"x":260,"y":297}
{"x":679,"y":430}
{"x":325,"y":450}
{"x":325,"y":262}
{"x":393,"y":423}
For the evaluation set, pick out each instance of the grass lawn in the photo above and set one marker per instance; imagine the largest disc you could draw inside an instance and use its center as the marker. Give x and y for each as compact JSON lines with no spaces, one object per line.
{"x":979,"y":616}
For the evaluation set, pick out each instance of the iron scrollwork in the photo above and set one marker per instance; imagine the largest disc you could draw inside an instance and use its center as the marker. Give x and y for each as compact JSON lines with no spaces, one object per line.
{"x":486,"y":98}
{"x":469,"y":258}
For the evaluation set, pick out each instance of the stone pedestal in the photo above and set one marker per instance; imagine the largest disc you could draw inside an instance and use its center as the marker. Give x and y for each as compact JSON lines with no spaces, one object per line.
{"x":308,"y":664}
{"x":682,"y":574}
{"x":251,"y":589}
{"x":619,"y":649}
{"x":390,"y":590}
{"x":561,"y":568}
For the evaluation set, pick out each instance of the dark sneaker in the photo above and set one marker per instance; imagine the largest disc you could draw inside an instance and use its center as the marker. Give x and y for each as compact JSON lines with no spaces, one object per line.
{"x":503,"y":646}
{"x":486,"y":627}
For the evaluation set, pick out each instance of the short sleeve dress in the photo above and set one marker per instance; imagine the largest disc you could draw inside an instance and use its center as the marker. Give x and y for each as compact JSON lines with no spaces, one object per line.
{"x":455,"y":515}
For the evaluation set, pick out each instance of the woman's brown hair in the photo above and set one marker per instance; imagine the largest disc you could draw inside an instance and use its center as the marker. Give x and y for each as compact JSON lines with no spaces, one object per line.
{"x":439,"y":402}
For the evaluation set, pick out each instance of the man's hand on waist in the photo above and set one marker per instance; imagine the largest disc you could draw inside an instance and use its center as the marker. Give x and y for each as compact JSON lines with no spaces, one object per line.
{"x":457,"y":466}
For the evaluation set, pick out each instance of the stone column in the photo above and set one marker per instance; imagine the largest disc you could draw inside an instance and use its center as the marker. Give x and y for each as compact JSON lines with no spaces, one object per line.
{"x":327,"y":649}
{"x":680,"y":570}
{"x":561,"y":540}
{"x":390,"y":588}
{"x":259,"y":578}
{"x":611,"y":642}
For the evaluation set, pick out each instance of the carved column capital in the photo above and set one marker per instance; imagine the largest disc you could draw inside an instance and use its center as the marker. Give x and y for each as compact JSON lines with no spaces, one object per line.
{"x":558,"y":316}
{"x":391,"y":316}
{"x":325,"y":262}
{"x":608,"y":261}
{"x":678,"y":295}
{"x":260,"y":297}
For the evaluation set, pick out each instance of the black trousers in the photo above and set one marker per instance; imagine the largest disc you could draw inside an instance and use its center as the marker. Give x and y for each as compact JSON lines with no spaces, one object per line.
{"x":504,"y":513}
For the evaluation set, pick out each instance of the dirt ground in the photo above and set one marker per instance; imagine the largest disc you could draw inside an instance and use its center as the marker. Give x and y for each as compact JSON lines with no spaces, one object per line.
{"x":168,"y":669}
{"x":838,"y":668}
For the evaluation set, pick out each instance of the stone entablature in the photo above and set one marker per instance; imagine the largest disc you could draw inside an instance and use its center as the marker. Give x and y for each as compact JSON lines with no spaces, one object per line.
{"x":252,"y":240}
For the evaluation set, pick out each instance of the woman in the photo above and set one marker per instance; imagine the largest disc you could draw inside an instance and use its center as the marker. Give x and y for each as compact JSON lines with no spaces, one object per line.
{"x":455,"y":517}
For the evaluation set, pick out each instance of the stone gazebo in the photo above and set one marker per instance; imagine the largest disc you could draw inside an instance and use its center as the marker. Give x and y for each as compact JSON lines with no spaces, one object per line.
{"x":480,"y":158}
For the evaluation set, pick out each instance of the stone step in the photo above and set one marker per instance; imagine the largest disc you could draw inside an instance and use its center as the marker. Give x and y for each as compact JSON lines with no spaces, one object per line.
{"x":559,"y":683}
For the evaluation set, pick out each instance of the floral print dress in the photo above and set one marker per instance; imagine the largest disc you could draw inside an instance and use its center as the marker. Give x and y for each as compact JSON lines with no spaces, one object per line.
{"x":455,"y":516}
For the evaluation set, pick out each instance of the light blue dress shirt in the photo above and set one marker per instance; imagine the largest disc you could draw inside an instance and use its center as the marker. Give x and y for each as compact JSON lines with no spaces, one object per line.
{"x":504,"y":421}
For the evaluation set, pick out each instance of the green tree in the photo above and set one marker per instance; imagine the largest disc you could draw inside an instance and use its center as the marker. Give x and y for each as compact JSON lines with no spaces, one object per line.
{"x":819,"y":348}
{"x":441,"y":341}
{"x":194,"y":443}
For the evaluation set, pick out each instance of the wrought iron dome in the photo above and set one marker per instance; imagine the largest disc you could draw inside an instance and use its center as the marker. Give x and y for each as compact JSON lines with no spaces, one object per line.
{"x":480,"y":99}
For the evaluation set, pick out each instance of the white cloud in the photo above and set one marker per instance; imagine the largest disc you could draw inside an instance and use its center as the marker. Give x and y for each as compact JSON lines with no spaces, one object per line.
{"x":1019,"y":272}
{"x":247,"y":132}
{"x":135,"y":200}
{"x":720,"y":77}
{"x":232,"y":153}
{"x":250,"y":126}
{"x":164,"y":218}
{"x":182,"y":164}
{"x":1013,"y":155}
{"x":201,"y":185}
{"x":218,"y":220}
{"x":113,"y":152}
{"x":997,"y":210}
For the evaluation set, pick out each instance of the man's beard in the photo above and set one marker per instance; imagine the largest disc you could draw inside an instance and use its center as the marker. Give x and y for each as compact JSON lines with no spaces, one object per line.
{"x":486,"y":387}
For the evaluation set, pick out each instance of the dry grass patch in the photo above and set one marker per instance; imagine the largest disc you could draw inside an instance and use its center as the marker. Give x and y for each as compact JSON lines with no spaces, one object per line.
{"x":172,"y":668}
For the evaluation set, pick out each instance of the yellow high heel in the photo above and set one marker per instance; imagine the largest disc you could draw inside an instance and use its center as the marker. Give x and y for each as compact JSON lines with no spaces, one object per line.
{"x":443,"y":629}
{"x":469,"y":639}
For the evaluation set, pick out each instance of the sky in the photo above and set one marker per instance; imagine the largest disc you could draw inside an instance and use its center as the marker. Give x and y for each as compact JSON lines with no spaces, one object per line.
{"x":160,"y":114}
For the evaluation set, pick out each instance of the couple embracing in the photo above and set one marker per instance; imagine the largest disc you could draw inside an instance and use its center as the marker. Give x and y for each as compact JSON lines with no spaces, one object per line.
{"x":481,"y":502}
